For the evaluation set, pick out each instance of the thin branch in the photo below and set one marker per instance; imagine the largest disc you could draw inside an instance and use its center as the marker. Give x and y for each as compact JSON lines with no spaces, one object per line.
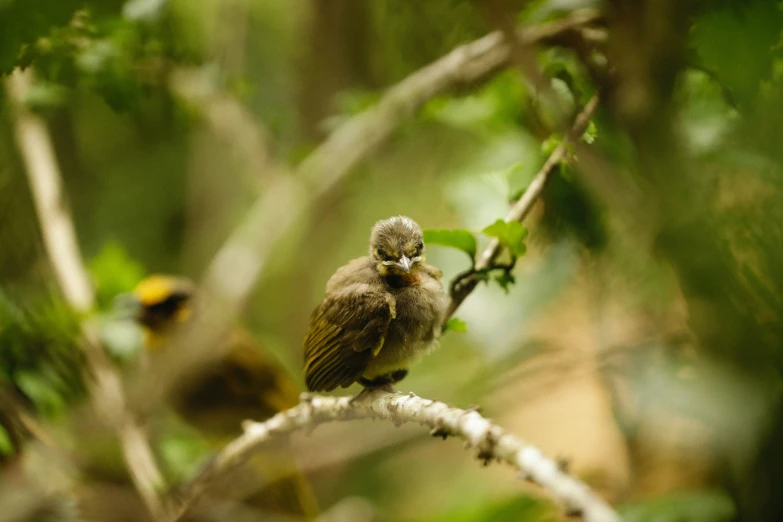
{"x":62,"y":249}
{"x":467,"y":281}
{"x":490,"y":440}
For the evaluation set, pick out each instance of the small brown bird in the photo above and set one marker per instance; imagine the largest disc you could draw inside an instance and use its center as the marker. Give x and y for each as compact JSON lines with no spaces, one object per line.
{"x":244,"y":383}
{"x":381,"y":313}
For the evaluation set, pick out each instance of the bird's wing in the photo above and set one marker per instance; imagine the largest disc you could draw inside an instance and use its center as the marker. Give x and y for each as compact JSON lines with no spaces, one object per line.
{"x":346,"y":331}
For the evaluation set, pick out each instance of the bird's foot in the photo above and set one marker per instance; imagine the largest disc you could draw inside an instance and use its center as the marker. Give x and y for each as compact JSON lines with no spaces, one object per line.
{"x":362,"y":394}
{"x":382,"y":382}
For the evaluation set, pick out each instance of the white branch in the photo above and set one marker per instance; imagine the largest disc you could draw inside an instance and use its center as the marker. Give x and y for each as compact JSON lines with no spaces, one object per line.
{"x":491,"y":441}
{"x":44,"y":176}
{"x":59,"y":236}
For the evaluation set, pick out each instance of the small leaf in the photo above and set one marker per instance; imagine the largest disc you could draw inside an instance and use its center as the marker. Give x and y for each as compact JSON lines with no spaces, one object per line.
{"x":456,"y":324}
{"x":454,"y":238}
{"x":497,"y":229}
{"x":516,"y":238}
{"x":505,"y":280}
{"x":510,"y":234}
{"x":590,"y":133}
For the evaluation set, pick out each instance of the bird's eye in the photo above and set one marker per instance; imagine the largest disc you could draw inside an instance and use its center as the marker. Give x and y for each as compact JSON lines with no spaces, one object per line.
{"x":419,"y":245}
{"x":379,"y":253}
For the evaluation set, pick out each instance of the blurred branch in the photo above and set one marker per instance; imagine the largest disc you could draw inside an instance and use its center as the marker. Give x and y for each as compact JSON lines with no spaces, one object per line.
{"x":466,"y":64}
{"x":62,"y":248}
{"x":227,"y":116}
{"x":491,"y":441}
{"x":465,"y":283}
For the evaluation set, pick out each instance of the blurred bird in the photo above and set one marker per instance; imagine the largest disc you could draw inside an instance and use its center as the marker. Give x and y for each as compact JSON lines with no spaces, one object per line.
{"x":381,"y":313}
{"x":245,"y":383}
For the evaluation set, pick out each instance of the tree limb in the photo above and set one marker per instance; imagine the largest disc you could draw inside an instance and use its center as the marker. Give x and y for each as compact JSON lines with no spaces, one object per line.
{"x":490,"y":440}
{"x":62,"y":249}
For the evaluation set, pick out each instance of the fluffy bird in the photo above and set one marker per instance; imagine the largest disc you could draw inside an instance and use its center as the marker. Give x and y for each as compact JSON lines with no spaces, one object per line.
{"x":381,"y":313}
{"x":244,"y":383}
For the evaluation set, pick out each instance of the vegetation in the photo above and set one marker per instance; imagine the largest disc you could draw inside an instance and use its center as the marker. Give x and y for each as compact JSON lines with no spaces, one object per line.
{"x":633,"y":325}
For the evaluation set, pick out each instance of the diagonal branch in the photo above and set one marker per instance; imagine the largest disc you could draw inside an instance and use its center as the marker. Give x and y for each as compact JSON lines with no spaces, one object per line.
{"x":62,"y":249}
{"x":465,"y":284}
{"x":490,"y":440}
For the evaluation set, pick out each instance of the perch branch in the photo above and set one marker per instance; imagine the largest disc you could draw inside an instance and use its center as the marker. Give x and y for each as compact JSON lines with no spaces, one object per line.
{"x":466,"y":282}
{"x":62,"y":249}
{"x":489,"y":439}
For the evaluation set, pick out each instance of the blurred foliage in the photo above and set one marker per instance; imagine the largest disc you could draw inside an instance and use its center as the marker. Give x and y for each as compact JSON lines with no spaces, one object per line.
{"x":113,"y":272}
{"x":653,"y":263}
{"x":694,"y":506}
{"x":39,"y":355}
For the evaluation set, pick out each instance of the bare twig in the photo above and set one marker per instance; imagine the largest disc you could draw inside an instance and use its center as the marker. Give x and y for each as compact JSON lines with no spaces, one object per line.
{"x":489,"y":439}
{"x":62,"y":249}
{"x":521,"y":208}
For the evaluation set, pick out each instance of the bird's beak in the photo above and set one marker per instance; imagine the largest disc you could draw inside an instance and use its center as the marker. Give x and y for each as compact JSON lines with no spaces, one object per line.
{"x":127,"y":306}
{"x":404,"y":263}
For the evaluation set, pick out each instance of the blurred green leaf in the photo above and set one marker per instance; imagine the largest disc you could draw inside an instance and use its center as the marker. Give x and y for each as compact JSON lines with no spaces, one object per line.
{"x":183,"y":454}
{"x":511,"y":235}
{"x":504,"y":510}
{"x":39,"y":390}
{"x":455,"y":324}
{"x":693,"y":506}
{"x":736,"y":43}
{"x":505,"y":279}
{"x":454,"y":238}
{"x":590,"y":133}
{"x":113,"y":272}
{"x":46,"y":95}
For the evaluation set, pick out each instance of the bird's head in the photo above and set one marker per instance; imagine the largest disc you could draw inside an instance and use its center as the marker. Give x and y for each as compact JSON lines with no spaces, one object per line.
{"x":397,"y":247}
{"x":159,"y":302}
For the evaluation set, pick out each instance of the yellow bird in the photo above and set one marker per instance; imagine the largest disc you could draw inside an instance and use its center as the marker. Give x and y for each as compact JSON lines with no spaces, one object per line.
{"x":245,"y":383}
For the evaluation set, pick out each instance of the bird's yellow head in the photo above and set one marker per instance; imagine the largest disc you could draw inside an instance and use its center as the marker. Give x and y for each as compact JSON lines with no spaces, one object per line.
{"x":163,"y":301}
{"x":397,"y":247}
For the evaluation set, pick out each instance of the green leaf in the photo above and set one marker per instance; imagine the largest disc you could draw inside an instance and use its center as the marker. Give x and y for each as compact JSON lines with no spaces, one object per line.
{"x":737,"y":43}
{"x":505,"y":279}
{"x":454,"y":238}
{"x":590,"y":133}
{"x":456,"y":324}
{"x":511,"y":235}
